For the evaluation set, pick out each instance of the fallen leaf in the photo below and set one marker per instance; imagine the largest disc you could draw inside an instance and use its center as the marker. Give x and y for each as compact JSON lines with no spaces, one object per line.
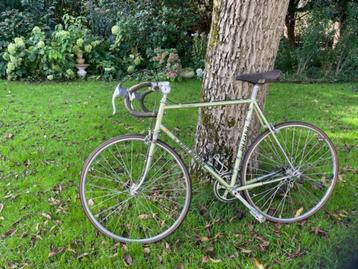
{"x":125,"y":248}
{"x":9,"y":136}
{"x":205,"y":259}
{"x":297,"y":253}
{"x":219,"y":235}
{"x":245,"y":251}
{"x":167,"y":246}
{"x":208,"y":226}
{"x":318,"y":231}
{"x":263,"y":243}
{"x":83,"y":255}
{"x":90,"y":202}
{"x":115,"y":246}
{"x":24,"y":235}
{"x":299,"y":212}
{"x":209,"y":251}
{"x":55,"y":251}
{"x":128,"y":260}
{"x":143,"y":216}
{"x":146,"y":251}
{"x":9,"y":233}
{"x":257,"y":264}
{"x":203,"y":210}
{"x":53,"y":201}
{"x":11,"y":265}
{"x":1,"y":207}
{"x":45,"y":215}
{"x":204,"y":238}
{"x":69,"y":249}
{"x":215,"y":260}
{"x":179,"y":266}
{"x":34,"y":239}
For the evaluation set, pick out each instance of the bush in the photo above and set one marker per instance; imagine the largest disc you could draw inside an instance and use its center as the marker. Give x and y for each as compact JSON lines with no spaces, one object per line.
{"x":315,"y":37}
{"x":345,"y":53}
{"x":200,"y":43}
{"x":13,"y":23}
{"x":167,"y":62}
{"x":38,"y":57}
{"x":146,"y":26}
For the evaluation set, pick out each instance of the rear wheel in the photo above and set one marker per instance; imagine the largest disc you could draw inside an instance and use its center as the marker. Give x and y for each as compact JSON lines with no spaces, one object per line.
{"x":117,"y":208}
{"x":305,"y":186}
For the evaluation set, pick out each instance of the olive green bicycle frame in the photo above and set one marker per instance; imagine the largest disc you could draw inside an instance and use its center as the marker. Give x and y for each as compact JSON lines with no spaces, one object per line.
{"x":253,"y":107}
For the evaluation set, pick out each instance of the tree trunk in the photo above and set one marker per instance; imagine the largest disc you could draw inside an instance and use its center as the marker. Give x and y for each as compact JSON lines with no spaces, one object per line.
{"x":244,"y":38}
{"x":290,"y":22}
{"x":205,"y":6}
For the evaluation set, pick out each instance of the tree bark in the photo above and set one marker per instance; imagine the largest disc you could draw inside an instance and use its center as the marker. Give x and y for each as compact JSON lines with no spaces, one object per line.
{"x":244,"y":38}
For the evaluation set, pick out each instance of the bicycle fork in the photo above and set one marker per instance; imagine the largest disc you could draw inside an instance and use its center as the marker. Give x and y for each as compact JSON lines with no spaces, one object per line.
{"x":152,"y":139}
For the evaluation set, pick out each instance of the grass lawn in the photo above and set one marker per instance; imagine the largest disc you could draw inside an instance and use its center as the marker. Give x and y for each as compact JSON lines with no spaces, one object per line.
{"x":48,"y":130}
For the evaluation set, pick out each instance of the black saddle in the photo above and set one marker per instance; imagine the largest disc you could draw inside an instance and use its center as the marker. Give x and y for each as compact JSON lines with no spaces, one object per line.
{"x":260,"y":78}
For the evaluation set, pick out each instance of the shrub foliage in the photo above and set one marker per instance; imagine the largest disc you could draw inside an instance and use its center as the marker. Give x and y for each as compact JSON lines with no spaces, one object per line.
{"x":41,"y":39}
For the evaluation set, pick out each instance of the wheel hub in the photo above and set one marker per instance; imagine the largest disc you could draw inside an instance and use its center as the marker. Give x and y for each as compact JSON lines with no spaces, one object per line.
{"x":133,"y":189}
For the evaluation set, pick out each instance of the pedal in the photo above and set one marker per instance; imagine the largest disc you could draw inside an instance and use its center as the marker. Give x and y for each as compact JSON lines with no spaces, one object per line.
{"x":259,"y":217}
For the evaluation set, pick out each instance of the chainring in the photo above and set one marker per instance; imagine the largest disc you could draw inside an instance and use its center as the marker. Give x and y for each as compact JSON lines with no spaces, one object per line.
{"x":220,"y":192}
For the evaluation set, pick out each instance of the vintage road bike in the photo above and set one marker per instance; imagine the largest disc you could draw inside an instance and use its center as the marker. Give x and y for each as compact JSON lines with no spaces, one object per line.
{"x":136,"y":188}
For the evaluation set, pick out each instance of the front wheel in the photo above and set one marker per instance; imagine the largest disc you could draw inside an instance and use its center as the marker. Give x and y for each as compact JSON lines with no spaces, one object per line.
{"x":118,"y":207}
{"x":300,"y":165}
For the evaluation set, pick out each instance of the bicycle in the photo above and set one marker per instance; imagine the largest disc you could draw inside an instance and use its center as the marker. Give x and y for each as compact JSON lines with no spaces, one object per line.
{"x":136,"y":188}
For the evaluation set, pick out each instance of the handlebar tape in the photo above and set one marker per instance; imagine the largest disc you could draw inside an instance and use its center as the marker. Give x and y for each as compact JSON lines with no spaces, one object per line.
{"x":132,"y":94}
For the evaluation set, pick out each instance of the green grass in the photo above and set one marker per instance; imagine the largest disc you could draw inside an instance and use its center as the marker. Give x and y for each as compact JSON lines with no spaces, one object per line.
{"x":48,"y":130}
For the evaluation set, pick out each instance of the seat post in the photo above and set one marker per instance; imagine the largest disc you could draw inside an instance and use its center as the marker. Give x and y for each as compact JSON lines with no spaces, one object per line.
{"x":254,"y":91}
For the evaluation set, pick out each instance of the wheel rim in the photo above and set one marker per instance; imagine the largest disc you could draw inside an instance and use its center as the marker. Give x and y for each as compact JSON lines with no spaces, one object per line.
{"x":308,"y":184}
{"x":151,"y":213}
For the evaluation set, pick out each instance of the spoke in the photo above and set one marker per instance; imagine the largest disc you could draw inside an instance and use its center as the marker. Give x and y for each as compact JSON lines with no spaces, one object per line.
{"x":103,"y":201}
{"x":293,"y":142}
{"x":272,"y":196}
{"x":146,"y":205}
{"x":110,"y":208}
{"x":297,"y":151}
{"x":307,"y":141}
{"x":308,"y":154}
{"x":131,"y":159}
{"x":155,"y":180}
{"x":108,"y":164}
{"x":273,"y":148}
{"x":310,"y":193}
{"x":121,"y":163}
{"x":267,"y":192}
{"x":315,"y":162}
{"x":105,"y":178}
{"x":101,"y":187}
{"x":282,"y":201}
{"x":167,"y":211}
{"x":106,"y":195}
{"x":98,"y":163}
{"x":270,"y":159}
{"x":284,"y":141}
